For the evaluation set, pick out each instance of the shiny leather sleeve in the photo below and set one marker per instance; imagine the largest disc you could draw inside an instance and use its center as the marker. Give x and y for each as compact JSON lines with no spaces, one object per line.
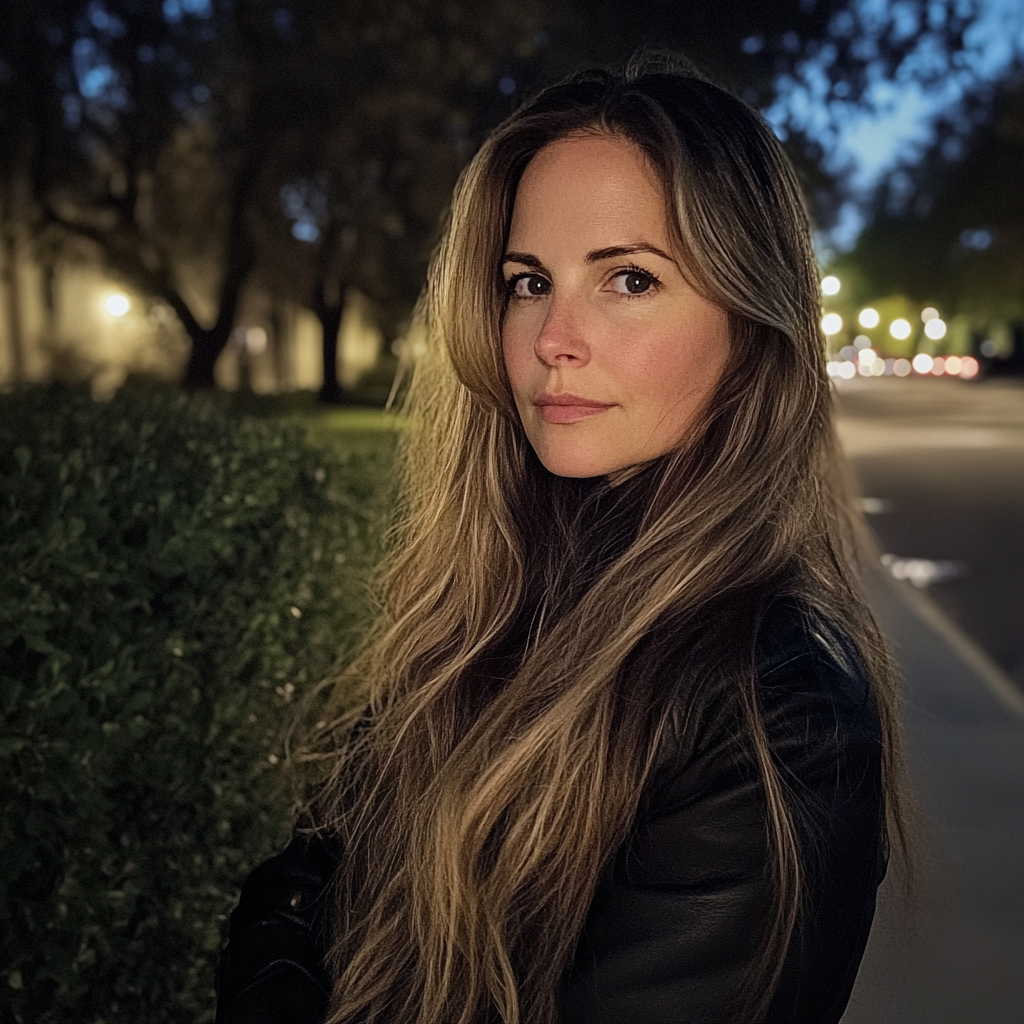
{"x":272,"y":970}
{"x":674,"y":928}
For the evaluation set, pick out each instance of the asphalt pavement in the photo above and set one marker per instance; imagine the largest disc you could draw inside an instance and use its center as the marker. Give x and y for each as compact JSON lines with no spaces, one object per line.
{"x":941,"y":465}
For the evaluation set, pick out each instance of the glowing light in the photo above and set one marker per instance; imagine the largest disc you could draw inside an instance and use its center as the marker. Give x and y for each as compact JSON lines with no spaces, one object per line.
{"x":935,"y":328}
{"x":922,"y":362}
{"x":117,"y":304}
{"x":874,"y":506}
{"x":869,"y":318}
{"x":830,"y":285}
{"x":865,"y":357}
{"x":922,"y":572}
{"x":256,"y":340}
{"x":969,"y":367}
{"x":953,"y":365}
{"x":900,"y":329}
{"x":938,"y":366}
{"x":842,"y":370}
{"x":901,"y":367}
{"x":877,"y":368}
{"x":928,"y":313}
{"x":831,"y":323}
{"x":862,"y":341}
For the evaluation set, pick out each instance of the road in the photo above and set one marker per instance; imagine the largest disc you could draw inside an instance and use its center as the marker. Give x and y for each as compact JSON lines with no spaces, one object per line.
{"x":942,"y":464}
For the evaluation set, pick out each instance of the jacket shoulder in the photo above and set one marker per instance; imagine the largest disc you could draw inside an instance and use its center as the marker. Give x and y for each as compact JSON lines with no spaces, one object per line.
{"x":273,"y":966}
{"x":798,"y":646}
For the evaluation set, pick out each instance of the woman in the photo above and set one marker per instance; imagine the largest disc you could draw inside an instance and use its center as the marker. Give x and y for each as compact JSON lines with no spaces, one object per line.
{"x":632,"y":738}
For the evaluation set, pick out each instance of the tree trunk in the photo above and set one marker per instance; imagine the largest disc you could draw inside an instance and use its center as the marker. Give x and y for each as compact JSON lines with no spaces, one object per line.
{"x":279,"y":345}
{"x":1015,"y":363}
{"x":48,"y":293}
{"x":15,"y":324}
{"x":329,"y":315}
{"x":207,"y":345}
{"x":239,"y":259}
{"x":209,"y":342}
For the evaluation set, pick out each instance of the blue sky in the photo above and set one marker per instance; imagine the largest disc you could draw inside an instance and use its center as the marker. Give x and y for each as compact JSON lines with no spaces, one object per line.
{"x":866,"y":144}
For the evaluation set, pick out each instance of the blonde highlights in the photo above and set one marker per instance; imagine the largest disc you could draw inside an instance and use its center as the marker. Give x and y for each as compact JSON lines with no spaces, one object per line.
{"x":522,"y":673}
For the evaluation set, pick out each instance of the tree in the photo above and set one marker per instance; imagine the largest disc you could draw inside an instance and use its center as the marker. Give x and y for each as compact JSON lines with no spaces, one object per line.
{"x":198,"y":142}
{"x":810,"y":63}
{"x":954,"y":230}
{"x":135,"y":154}
{"x":395,"y":96}
{"x":22,"y":64}
{"x":950,"y":232}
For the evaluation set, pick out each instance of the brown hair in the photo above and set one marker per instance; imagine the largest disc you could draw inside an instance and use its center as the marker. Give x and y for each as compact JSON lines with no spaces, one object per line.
{"x":475,"y":828}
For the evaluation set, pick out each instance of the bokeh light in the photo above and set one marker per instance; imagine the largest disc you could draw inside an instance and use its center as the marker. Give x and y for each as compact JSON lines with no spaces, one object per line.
{"x":256,"y":340}
{"x":869,"y":317}
{"x":935,"y":328}
{"x":831,"y":323}
{"x":900,"y":329}
{"x":928,"y":313}
{"x":830,"y":285}
{"x":922,"y":362}
{"x":117,"y":305}
{"x":842,"y":369}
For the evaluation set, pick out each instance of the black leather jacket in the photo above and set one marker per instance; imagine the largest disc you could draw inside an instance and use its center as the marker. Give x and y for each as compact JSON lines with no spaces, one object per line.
{"x":674,"y":926}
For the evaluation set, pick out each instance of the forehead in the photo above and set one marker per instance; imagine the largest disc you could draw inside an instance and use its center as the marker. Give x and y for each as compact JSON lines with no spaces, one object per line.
{"x":590,"y":187}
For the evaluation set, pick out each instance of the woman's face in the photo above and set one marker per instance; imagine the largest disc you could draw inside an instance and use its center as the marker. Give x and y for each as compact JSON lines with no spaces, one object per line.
{"x":609,"y":351}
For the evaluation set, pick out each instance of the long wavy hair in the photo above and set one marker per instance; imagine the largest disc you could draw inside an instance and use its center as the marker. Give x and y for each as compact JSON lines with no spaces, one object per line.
{"x":516,"y":680}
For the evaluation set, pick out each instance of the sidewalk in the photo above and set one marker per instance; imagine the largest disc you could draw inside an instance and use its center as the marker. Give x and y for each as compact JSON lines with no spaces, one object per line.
{"x":962,"y":960}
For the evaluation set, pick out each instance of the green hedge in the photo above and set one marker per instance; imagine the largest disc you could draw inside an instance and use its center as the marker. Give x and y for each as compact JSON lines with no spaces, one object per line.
{"x":172,"y":577}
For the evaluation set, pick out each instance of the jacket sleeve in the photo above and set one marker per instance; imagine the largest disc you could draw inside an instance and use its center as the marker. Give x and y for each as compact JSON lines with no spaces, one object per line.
{"x":675,"y":928}
{"x":272,"y":970}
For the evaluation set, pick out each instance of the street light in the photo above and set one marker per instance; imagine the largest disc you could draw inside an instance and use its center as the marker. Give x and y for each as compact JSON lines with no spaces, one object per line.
{"x":117,"y":305}
{"x":900,"y":329}
{"x":831,"y":323}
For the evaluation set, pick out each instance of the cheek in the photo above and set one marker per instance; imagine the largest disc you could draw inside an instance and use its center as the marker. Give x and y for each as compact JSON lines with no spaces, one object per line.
{"x":678,"y":368}
{"x":517,"y":351}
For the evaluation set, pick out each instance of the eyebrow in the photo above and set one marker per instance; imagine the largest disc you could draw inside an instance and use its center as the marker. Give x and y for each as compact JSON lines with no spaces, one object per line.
{"x":527,"y":259}
{"x":594,"y":256}
{"x":614,"y":251}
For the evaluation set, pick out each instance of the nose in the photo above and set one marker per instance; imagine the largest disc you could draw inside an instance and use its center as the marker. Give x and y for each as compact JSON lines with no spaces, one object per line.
{"x":561,"y":341}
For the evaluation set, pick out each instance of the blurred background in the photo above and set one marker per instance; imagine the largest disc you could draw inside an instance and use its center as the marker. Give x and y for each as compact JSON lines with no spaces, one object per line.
{"x":215,"y":219}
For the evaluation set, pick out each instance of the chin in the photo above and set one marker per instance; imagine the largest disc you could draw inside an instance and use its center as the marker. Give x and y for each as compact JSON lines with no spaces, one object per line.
{"x":579,"y":465}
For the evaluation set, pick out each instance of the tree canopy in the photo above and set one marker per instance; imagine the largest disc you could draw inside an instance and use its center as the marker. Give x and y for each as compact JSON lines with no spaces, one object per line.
{"x":954,"y":231}
{"x":200,"y":145}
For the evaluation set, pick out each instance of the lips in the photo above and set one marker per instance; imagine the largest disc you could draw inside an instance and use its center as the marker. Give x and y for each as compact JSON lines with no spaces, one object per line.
{"x":567,"y":408}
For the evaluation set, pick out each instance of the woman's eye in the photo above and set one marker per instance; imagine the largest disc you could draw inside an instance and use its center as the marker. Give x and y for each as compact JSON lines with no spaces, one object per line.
{"x":529,"y":286}
{"x":633,"y":282}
